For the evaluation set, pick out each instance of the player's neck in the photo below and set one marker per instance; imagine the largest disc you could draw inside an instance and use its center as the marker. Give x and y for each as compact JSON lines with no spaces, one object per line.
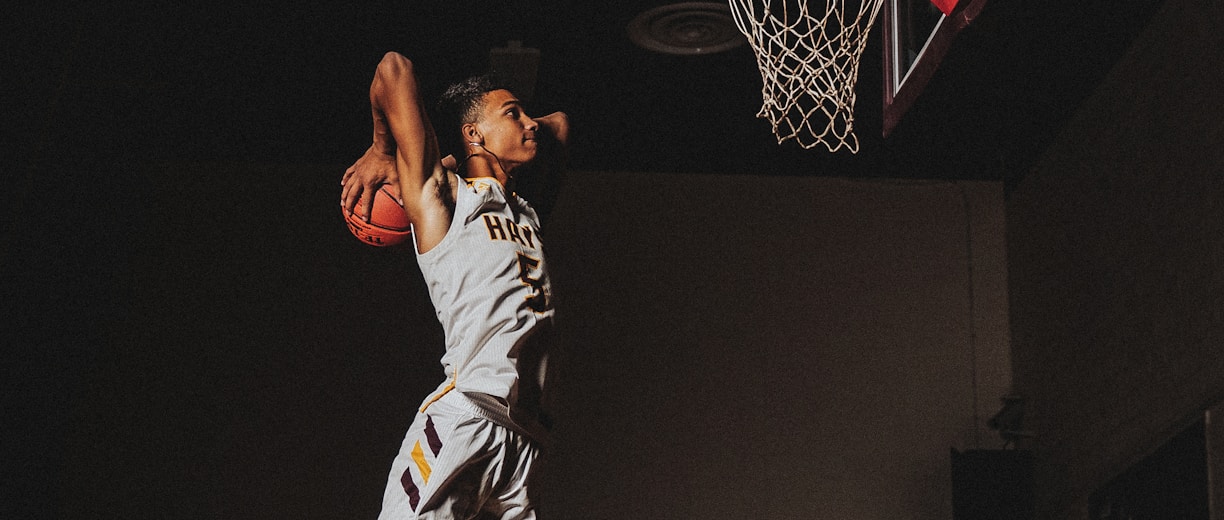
{"x":506,"y":178}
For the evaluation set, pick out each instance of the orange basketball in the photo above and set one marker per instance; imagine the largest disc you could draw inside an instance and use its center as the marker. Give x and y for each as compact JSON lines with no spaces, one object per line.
{"x":388,"y":223}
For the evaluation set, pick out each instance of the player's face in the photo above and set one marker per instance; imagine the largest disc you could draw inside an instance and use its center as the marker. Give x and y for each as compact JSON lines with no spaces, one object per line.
{"x":506,"y":130}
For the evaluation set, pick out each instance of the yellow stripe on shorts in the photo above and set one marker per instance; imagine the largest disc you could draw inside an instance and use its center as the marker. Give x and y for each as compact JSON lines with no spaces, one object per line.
{"x":418,"y":456}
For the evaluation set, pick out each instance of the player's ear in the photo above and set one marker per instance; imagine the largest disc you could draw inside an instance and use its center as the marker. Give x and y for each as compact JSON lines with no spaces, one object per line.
{"x":472,"y":134}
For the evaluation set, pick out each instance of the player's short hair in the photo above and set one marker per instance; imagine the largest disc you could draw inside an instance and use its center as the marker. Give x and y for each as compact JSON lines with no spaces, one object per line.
{"x":458,"y":105}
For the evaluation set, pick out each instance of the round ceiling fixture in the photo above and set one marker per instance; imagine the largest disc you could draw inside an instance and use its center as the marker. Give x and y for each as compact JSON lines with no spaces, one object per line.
{"x":686,"y":28}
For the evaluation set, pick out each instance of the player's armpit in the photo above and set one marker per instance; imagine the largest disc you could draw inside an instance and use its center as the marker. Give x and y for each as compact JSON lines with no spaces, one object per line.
{"x":432,"y":221}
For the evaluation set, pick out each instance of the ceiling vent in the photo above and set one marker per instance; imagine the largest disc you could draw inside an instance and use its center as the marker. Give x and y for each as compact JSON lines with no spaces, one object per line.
{"x":687,"y":28}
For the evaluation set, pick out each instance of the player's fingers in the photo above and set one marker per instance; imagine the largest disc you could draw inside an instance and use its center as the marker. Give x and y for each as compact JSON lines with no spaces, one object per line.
{"x":345,"y":184}
{"x":349,"y":196}
{"x":368,"y":207}
{"x":450,"y":163}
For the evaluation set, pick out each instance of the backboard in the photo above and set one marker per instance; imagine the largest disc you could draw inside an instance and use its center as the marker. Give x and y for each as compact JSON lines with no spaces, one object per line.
{"x":917,"y":35}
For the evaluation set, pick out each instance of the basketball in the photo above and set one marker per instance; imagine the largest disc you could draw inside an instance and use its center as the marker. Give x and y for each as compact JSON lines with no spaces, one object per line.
{"x":388,"y":223}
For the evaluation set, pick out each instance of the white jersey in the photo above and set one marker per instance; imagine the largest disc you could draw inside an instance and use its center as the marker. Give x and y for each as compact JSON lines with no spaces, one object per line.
{"x":489,"y":285}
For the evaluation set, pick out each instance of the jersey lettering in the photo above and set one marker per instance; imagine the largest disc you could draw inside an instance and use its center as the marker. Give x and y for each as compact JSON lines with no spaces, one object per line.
{"x":504,"y":229}
{"x":515,"y":235}
{"x":494,"y":224}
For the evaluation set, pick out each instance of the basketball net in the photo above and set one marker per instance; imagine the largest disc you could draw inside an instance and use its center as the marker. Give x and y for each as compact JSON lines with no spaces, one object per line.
{"x":808,"y":53}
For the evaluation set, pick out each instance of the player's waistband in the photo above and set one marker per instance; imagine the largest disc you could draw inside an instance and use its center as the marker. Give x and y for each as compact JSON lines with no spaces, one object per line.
{"x":486,"y":407}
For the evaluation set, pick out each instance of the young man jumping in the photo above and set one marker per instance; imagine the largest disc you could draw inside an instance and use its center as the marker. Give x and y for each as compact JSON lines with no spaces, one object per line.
{"x":472,"y":446}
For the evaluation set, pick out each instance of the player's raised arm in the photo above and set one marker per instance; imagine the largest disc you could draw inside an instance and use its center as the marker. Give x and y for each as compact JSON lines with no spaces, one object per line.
{"x":557,"y":124}
{"x":404,"y":152}
{"x":544,"y":177}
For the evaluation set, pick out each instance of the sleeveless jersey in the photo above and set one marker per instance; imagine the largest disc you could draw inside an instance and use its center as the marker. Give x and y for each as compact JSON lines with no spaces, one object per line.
{"x":490,"y":289}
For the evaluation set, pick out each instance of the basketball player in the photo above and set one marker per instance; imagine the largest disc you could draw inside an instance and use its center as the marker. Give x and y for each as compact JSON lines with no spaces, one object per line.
{"x":471,"y":447}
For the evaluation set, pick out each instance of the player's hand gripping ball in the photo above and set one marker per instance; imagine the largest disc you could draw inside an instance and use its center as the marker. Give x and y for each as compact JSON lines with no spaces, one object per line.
{"x":388,"y":224}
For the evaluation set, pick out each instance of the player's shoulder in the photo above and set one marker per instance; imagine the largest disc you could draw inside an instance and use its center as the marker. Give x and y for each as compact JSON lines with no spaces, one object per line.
{"x":480,"y":185}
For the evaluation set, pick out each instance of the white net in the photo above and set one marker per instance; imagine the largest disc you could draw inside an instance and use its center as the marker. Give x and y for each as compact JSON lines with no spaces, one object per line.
{"x":808,"y":53}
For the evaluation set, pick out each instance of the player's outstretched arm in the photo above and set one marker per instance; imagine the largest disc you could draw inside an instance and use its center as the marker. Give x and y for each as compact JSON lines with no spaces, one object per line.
{"x":543,"y":181}
{"x":557,"y":124}
{"x":404,"y":151}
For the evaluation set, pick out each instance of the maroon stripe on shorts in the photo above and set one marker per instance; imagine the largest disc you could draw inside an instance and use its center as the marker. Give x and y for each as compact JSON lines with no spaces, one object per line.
{"x":431,"y":435}
{"x":410,"y":487}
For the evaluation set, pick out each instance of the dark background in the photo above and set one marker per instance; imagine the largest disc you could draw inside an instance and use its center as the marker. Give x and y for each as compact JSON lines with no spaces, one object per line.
{"x":118,"y":243}
{"x":284,"y":82}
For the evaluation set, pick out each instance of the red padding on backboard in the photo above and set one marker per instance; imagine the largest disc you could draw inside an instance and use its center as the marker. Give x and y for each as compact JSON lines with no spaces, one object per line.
{"x":945,"y":5}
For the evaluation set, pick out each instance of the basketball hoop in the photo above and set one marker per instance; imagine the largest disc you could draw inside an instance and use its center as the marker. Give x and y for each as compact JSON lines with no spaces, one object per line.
{"x":808,"y":53}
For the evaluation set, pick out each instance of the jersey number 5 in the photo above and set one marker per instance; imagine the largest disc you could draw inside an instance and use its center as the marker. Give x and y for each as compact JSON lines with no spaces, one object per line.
{"x":538,"y":301}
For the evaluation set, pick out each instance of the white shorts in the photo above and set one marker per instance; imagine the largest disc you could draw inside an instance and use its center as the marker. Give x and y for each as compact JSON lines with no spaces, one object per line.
{"x":456,"y":464}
